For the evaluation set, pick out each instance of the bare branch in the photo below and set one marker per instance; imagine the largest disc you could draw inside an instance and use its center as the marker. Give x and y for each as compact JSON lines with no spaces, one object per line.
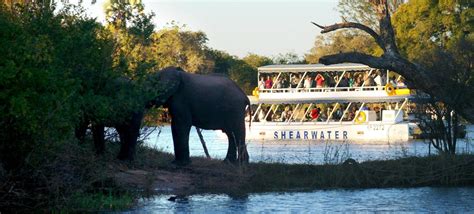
{"x":354,"y":57}
{"x":337,"y":26}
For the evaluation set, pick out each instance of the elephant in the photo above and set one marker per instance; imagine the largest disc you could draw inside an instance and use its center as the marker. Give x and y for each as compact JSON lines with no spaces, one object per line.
{"x":212,"y":102}
{"x":205,"y":101}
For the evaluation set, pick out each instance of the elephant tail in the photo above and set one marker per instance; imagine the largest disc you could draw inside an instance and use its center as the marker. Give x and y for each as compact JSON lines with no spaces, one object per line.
{"x":250,"y":111}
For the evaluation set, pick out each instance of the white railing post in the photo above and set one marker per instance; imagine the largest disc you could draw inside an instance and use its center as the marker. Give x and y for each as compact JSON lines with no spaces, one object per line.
{"x":256,"y":112}
{"x":340,"y":78}
{"x":332,"y":111}
{"x":345,"y":112}
{"x":266,"y":116}
{"x":293,"y":113}
{"x":401,"y":107}
{"x":278,"y":76}
{"x":307,"y":110}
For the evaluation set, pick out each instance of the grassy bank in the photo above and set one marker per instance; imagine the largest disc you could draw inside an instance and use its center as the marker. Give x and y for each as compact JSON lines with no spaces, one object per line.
{"x":75,"y":179}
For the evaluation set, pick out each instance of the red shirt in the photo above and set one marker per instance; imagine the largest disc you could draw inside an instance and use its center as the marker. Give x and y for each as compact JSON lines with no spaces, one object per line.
{"x":268,"y":83}
{"x":319,"y":80}
{"x":314,"y":113}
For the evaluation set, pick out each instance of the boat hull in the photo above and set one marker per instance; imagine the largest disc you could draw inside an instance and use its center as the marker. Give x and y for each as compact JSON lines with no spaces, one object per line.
{"x":372,"y":131}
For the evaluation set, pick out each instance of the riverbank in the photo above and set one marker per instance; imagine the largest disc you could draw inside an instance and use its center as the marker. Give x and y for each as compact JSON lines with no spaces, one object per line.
{"x":79,"y":181}
{"x":213,"y":176}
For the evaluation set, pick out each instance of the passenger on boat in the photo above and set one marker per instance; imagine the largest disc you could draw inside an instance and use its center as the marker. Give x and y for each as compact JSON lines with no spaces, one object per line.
{"x":344,"y":81}
{"x":319,"y":81}
{"x":400,"y":83}
{"x":307,"y":83}
{"x":358,"y":80}
{"x":261,"y":115}
{"x":350,"y":78}
{"x":269,"y":82}
{"x":331,"y":80}
{"x":295,"y":80}
{"x":378,"y":79}
{"x":285,"y":115}
{"x":393,"y":81}
{"x":261,"y":83}
{"x":277,"y":84}
{"x":368,"y":80}
{"x":337,"y":114}
{"x":284,"y":82}
{"x":315,"y":113}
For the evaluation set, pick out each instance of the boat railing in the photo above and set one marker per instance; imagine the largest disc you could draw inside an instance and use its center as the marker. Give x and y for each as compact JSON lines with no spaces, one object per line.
{"x":327,"y":89}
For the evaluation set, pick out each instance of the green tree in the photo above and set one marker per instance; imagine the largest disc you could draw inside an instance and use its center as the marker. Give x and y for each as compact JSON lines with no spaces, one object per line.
{"x":443,"y":31}
{"x":342,"y":41}
{"x":41,"y":87}
{"x":256,"y":61}
{"x":288,"y":58}
{"x":174,"y":46}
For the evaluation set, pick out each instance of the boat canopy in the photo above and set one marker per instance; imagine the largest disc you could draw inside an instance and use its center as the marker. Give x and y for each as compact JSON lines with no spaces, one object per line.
{"x":313,"y":68}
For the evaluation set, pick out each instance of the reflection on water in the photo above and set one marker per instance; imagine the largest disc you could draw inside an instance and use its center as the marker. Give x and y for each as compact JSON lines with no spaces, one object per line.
{"x":313,"y":152}
{"x":453,"y":200}
{"x":428,"y":199}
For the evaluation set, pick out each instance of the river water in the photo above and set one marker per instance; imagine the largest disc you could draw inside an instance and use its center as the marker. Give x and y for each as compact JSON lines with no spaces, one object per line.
{"x":311,"y":152}
{"x":426,"y":199}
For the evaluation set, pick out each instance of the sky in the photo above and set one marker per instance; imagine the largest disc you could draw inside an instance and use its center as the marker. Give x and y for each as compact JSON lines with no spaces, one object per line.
{"x":240,"y":27}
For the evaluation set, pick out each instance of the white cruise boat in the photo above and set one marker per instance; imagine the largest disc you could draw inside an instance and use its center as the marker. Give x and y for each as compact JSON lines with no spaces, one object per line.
{"x":319,"y":102}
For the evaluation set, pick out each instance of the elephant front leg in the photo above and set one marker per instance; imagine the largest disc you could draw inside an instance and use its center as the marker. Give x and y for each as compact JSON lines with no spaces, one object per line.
{"x":129,"y":133}
{"x":181,"y":142}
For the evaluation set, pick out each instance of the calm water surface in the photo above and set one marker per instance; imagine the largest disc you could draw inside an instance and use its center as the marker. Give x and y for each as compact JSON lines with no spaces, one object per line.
{"x":427,"y":199}
{"x":413,"y":200}
{"x":312,"y":152}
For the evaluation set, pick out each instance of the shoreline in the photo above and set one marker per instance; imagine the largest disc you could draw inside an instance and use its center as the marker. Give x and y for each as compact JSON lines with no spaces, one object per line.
{"x":107,"y":184}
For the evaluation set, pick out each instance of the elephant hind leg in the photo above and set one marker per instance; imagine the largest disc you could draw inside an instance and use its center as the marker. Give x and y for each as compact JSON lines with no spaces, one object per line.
{"x":232,"y":148}
{"x":243,"y":155}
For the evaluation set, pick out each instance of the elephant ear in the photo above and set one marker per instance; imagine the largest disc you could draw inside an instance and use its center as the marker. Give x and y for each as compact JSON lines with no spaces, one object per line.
{"x":170,"y":80}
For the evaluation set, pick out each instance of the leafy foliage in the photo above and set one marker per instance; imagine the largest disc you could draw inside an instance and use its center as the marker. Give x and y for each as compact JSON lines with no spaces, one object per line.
{"x":342,"y":41}
{"x":174,"y":46}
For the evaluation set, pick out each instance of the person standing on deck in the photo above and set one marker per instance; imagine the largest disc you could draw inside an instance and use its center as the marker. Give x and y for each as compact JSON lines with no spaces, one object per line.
{"x":307,"y":83}
{"x":261,"y":83}
{"x":319,"y":81}
{"x":269,"y":82}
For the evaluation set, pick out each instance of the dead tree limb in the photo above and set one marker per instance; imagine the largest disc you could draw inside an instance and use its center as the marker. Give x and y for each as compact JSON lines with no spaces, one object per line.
{"x":198,"y":130}
{"x":416,"y":75}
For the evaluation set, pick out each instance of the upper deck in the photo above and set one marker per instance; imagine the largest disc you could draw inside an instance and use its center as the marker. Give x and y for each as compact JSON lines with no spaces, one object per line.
{"x":317,"y":83}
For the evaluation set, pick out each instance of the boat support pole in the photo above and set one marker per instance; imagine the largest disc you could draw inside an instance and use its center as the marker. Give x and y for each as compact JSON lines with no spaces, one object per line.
{"x":266,"y":116}
{"x":301,"y":80}
{"x":363,"y":82}
{"x":401,"y":107}
{"x":332,"y":112}
{"x":256,"y":112}
{"x":340,"y":78}
{"x":307,"y":110}
{"x":293,"y":113}
{"x":278,"y":77}
{"x":345,"y":112}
